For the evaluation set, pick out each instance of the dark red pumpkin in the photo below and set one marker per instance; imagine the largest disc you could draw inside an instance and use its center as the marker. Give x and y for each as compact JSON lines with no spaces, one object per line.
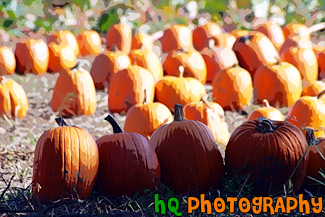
{"x":188,"y":155}
{"x":127,"y":163}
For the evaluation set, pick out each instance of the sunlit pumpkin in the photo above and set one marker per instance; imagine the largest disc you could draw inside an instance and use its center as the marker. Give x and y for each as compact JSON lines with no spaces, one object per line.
{"x":142,"y":40}
{"x":7,"y":61}
{"x":313,"y":89}
{"x":273,"y":31}
{"x":119,"y":36}
{"x":65,"y":37}
{"x":176,"y":37}
{"x":90,"y":42}
{"x":62,"y":57}
{"x":267,"y":111}
{"x":202,"y":34}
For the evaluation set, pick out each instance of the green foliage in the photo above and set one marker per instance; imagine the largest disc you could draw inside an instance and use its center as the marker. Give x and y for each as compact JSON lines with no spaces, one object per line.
{"x":107,"y":19}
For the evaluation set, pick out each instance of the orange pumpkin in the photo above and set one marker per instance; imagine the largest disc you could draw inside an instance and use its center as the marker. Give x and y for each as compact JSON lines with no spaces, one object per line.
{"x":320,"y":54}
{"x":232,"y":88}
{"x":149,"y":60}
{"x":309,"y":111}
{"x":295,"y":41}
{"x":142,"y":40}
{"x":176,"y":37}
{"x":239,"y":32}
{"x":202,"y":34}
{"x":7,"y":61}
{"x":268,"y":111}
{"x":313,"y":89}
{"x":119,"y":36}
{"x":13,"y":99}
{"x":62,"y":57}
{"x":89,"y":42}
{"x":74,"y":93}
{"x":191,"y":60}
{"x":65,"y":37}
{"x":32,"y":56}
{"x":273,"y":31}
{"x":113,"y":62}
{"x":280,"y":84}
{"x":127,"y":88}
{"x":293,"y":29}
{"x":171,"y":90}
{"x":255,"y":50}
{"x":212,"y":115}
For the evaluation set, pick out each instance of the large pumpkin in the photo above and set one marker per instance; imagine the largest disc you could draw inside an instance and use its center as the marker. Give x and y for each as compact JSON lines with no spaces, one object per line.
{"x":177,"y":37}
{"x":65,"y":164}
{"x":74,"y":93}
{"x":266,"y":111}
{"x":202,"y":34}
{"x":188,"y":155}
{"x":127,"y":163}
{"x":273,"y":31}
{"x":280,"y":84}
{"x":13,"y":99}
{"x":119,"y":36}
{"x":89,"y":42}
{"x":7,"y":61}
{"x":113,"y":61}
{"x":127,"y":88}
{"x":65,"y":37}
{"x":268,"y":153}
{"x":232,"y":88}
{"x":32,"y":56}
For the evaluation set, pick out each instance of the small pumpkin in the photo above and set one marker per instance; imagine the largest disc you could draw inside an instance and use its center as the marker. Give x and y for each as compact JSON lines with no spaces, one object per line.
{"x":65,"y":164}
{"x":119,"y":36}
{"x":62,"y":57}
{"x":113,"y":61}
{"x":280,"y":84}
{"x":268,"y":154}
{"x":142,"y":40}
{"x":309,"y":111}
{"x":65,"y":37}
{"x":202,"y":34}
{"x":32,"y":56}
{"x":127,"y":163}
{"x":176,"y":37}
{"x":313,"y":89}
{"x":273,"y":31}
{"x":267,"y":111}
{"x":127,"y":88}
{"x":172,"y":90}
{"x":212,"y":115}
{"x":191,"y":60}
{"x":13,"y":99}
{"x":180,"y":147}
{"x":232,"y":88}
{"x":74,"y":93}
{"x":7,"y":61}
{"x":89,"y":42}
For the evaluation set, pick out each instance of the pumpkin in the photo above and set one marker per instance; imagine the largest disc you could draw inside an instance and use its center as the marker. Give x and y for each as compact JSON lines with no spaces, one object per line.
{"x":280,"y":84}
{"x":151,"y":115}
{"x":89,"y":42}
{"x":7,"y":61}
{"x":149,"y":60}
{"x":295,"y":41}
{"x":13,"y":99}
{"x":218,"y":58}
{"x":202,"y":34}
{"x":32,"y":56}
{"x":293,"y":29}
{"x":212,"y":115}
{"x":62,"y":57}
{"x":191,"y":60}
{"x":65,"y":164}
{"x":119,"y":36}
{"x":176,"y":37}
{"x":65,"y":37}
{"x":309,"y":111}
{"x":142,"y":40}
{"x":172,"y":90}
{"x":320,"y":54}
{"x":224,"y":40}
{"x":232,"y":88}
{"x":268,"y":111}
{"x":268,"y":153}
{"x":127,"y":163}
{"x":127,"y":88}
{"x":74,"y":93}
{"x":188,"y":155}
{"x":313,"y":89}
{"x":316,"y":162}
{"x":240,"y":33}
{"x":273,"y":31}
{"x":255,"y":50}
{"x":113,"y":61}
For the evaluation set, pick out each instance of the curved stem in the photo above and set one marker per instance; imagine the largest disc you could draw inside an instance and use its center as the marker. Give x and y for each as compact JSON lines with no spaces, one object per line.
{"x":316,"y":27}
{"x":61,"y":122}
{"x":245,"y":39}
{"x":320,"y":94}
{"x":178,"y":113}
{"x":204,"y":99}
{"x":212,"y":42}
{"x":145,"y":100}
{"x":181,"y":71}
{"x":116,"y":127}
{"x":266,"y":125}
{"x":266,"y":103}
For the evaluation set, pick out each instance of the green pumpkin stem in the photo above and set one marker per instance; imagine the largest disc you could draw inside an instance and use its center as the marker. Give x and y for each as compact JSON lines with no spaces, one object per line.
{"x":116,"y":127}
{"x":265,"y":125}
{"x":60,"y":121}
{"x":178,"y":113}
{"x":311,"y":140}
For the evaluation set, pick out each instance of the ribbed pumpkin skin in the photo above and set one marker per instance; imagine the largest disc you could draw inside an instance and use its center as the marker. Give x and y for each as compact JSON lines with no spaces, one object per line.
{"x":269,"y":158}
{"x":7,"y":61}
{"x":127,"y":164}
{"x":66,"y":158}
{"x":188,"y":155}
{"x":74,"y":93}
{"x":13,"y":99}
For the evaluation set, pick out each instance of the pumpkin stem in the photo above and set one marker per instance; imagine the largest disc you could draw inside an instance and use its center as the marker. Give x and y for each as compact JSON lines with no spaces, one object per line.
{"x":204,"y":99}
{"x":181,"y":71}
{"x":145,"y":100}
{"x":316,"y":27}
{"x":266,"y":103}
{"x":245,"y":39}
{"x":116,"y":127}
{"x":320,"y":94}
{"x":178,"y":113}
{"x":310,"y":136}
{"x":60,"y":121}
{"x":212,"y":42}
{"x":266,"y":125}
